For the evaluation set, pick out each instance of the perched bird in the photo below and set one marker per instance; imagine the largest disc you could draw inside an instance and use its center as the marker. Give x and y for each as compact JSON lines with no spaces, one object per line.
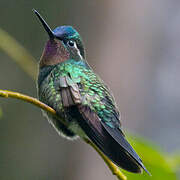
{"x":81,"y":99}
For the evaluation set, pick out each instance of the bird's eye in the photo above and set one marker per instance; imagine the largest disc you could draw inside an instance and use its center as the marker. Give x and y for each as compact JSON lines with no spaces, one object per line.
{"x":71,"y":43}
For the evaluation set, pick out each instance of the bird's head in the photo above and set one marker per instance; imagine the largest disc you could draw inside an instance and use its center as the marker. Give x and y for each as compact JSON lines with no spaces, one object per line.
{"x":64,"y":43}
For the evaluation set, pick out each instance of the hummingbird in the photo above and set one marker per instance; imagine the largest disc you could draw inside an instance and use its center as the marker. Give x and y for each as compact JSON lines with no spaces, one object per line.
{"x":81,"y":99}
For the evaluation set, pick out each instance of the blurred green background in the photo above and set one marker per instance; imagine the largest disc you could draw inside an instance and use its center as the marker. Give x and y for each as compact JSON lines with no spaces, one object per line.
{"x":133,"y":46}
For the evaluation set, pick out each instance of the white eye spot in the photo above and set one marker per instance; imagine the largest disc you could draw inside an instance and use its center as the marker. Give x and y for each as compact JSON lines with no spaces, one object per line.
{"x":71,"y":43}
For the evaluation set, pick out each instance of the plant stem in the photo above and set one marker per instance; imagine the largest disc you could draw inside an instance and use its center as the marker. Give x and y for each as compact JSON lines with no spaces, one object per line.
{"x":18,"y":54}
{"x":114,"y":169}
{"x":6,"y":94}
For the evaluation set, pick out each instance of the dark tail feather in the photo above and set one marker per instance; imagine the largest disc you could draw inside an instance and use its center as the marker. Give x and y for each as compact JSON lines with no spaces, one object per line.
{"x":117,"y":135}
{"x":142,"y":165}
{"x":113,"y":150}
{"x":104,"y":141}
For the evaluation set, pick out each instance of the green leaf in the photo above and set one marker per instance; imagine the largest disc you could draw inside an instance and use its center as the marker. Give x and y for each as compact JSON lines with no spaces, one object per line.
{"x":174,"y":161}
{"x":155,"y":161}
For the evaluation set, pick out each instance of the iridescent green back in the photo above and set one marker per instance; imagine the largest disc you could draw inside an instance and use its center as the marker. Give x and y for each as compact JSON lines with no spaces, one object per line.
{"x":94,"y":92}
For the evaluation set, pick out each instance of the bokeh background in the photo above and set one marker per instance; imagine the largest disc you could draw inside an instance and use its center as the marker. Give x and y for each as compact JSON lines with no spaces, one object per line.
{"x":132,"y":45}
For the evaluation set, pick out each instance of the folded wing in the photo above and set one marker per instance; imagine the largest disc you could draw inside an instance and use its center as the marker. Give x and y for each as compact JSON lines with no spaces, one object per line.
{"x":102,"y":128}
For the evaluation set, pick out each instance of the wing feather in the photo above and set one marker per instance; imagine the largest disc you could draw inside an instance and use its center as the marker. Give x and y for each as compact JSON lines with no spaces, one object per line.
{"x":102,"y":128}
{"x":94,"y":129}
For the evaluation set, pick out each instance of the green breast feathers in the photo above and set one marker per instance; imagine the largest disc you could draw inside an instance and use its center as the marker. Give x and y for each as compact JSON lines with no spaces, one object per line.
{"x":73,"y":82}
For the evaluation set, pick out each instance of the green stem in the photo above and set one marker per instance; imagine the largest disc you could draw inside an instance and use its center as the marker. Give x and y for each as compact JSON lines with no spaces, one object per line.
{"x":18,"y":54}
{"x":10,"y":94}
{"x":114,"y":169}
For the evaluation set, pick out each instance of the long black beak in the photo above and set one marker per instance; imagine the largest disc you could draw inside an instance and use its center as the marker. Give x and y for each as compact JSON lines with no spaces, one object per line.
{"x":45,"y":25}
